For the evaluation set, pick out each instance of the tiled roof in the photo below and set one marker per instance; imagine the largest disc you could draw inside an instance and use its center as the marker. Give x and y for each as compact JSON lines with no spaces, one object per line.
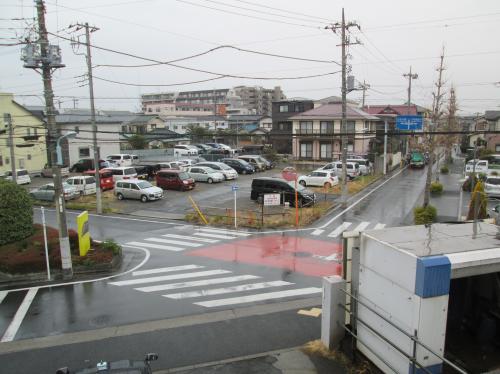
{"x":334,"y":111}
{"x":492,"y":114}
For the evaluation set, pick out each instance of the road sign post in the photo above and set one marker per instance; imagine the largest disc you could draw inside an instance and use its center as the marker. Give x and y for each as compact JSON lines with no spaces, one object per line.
{"x":409,"y":123}
{"x":234,"y":188}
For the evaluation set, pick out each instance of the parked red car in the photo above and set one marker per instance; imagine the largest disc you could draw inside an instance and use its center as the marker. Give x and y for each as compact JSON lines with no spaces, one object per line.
{"x":106,"y":178}
{"x":170,"y":179}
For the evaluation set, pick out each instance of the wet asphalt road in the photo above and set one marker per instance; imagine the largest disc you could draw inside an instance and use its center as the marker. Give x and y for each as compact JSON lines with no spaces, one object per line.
{"x":132,"y":298}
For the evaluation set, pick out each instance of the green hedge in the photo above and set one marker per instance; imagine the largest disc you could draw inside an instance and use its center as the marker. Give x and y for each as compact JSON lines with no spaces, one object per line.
{"x":444,"y":169}
{"x":436,"y":188}
{"x":16,"y":213}
{"x":424,"y":215}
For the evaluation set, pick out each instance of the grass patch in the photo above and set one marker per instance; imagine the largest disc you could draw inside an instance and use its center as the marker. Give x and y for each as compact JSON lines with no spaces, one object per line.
{"x":87,"y":202}
{"x":355,"y":185}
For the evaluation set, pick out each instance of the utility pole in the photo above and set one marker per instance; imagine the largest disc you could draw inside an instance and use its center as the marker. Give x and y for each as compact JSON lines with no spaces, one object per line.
{"x":436,"y":115}
{"x":343,"y":26}
{"x":8,"y":123}
{"x":97,"y":176}
{"x":364,"y":87}
{"x":410,"y":76}
{"x":49,"y":58}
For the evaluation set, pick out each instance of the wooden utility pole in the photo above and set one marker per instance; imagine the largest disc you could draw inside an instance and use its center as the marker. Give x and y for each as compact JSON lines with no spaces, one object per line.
{"x":410,"y":76}
{"x":435,"y":117}
{"x":8,"y":123}
{"x":365,"y":86}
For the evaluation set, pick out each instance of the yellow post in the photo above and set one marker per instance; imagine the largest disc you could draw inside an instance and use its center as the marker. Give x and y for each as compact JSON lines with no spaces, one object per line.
{"x":82,"y":222}
{"x":198,"y":210}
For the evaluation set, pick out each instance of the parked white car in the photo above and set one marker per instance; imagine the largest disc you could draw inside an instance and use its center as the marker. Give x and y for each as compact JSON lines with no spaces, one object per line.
{"x":22,"y":176}
{"x":185,"y":150}
{"x":352,"y":168}
{"x":320,"y":178}
{"x":492,"y":186}
{"x":227,"y":171}
{"x":85,"y":185}
{"x":204,"y":174}
{"x":126,"y":172}
{"x":120,"y":159}
{"x":364,"y":165}
{"x":186,"y":162}
{"x":137,"y":189}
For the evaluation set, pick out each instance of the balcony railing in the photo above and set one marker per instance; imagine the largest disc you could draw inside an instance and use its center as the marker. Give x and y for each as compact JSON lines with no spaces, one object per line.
{"x":314,"y":132}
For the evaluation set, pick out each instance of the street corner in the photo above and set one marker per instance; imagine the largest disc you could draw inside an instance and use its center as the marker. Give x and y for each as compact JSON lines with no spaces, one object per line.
{"x":307,"y":256}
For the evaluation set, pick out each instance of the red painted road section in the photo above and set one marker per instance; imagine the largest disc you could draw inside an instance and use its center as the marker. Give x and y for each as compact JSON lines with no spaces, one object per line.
{"x":297,"y":254}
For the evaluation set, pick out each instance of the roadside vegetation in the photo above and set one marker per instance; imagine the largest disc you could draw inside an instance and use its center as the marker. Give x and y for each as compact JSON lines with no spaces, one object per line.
{"x":87,"y":202}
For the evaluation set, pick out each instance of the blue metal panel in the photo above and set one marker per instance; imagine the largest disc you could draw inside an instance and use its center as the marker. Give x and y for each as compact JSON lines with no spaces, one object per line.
{"x":434,"y":369}
{"x":409,"y":123}
{"x":433,"y":276}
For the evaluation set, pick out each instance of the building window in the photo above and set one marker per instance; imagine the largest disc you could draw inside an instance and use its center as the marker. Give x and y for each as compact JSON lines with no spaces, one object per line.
{"x":7,"y":161}
{"x":306,"y":127}
{"x":326,"y":127}
{"x":283,"y":108}
{"x":124,"y":128}
{"x":28,"y":131}
{"x":150,"y":110}
{"x":497,"y":147}
{"x":84,"y":152}
{"x":35,"y":131}
{"x":306,"y":150}
{"x":299,"y":107}
{"x":29,"y":157}
{"x":158,"y":110}
{"x":1,"y":161}
{"x":350,"y":147}
{"x":366,"y":127}
{"x":77,"y":129}
{"x":351,"y":127}
{"x":326,"y":150}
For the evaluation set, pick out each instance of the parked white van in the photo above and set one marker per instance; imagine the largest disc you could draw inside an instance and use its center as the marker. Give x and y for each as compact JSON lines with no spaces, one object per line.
{"x":121,"y":159}
{"x":85,"y":185}
{"x":123,"y":172}
{"x":22,"y":176}
{"x":352,"y":169}
{"x":185,"y":150}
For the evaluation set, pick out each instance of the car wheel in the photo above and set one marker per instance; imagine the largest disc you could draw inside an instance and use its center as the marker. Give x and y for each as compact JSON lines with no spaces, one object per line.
{"x":210,"y":180}
{"x":303,"y":183}
{"x":328,"y":185}
{"x":119,"y":196}
{"x":144,"y":198}
{"x":244,"y":172}
{"x":81,"y":193}
{"x":260,"y":200}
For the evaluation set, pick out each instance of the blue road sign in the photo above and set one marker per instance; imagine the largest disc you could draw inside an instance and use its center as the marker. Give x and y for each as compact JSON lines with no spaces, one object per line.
{"x":234,"y":188}
{"x":409,"y":123}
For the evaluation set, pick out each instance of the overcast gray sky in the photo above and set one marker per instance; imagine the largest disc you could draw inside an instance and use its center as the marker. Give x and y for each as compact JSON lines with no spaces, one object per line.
{"x":394,"y":35}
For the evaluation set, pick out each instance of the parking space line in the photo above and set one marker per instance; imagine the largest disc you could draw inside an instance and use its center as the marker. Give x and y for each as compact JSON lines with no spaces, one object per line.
{"x":11,"y":331}
{"x":169,"y":241}
{"x":175,"y":286}
{"x":166,"y":270}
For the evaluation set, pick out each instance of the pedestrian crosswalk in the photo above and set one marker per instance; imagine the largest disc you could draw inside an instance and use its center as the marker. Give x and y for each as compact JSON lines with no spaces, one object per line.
{"x":178,"y":242}
{"x":182,"y":283}
{"x":341,"y":227}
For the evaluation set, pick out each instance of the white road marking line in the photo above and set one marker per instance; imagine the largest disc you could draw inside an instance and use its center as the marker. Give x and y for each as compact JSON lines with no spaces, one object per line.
{"x":362,"y":226}
{"x":174,"y":286}
{"x":317,"y":232}
{"x":2,"y":295}
{"x":177,"y":242}
{"x":226,"y":232}
{"x":185,"y":237}
{"x":11,"y":331}
{"x":156,"y":246}
{"x":379,"y":226}
{"x":259,"y":297}
{"x":332,"y":257}
{"x":170,"y":277}
{"x":214,"y":235}
{"x":339,"y":230}
{"x":166,"y":270}
{"x":219,"y":291}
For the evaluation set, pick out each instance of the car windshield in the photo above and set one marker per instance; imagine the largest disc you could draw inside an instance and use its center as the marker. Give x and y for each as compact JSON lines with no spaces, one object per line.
{"x":495,"y":181}
{"x":129,"y":171}
{"x":225,"y":167}
{"x":22,"y":172}
{"x":299,"y":186}
{"x":184,"y":176}
{"x":143,"y":185}
{"x":66,"y":185}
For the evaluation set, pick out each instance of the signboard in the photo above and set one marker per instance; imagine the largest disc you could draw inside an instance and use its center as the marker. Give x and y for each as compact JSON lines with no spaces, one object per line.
{"x":272,"y":199}
{"x":82,"y":222}
{"x":234,"y":188}
{"x":409,"y":123}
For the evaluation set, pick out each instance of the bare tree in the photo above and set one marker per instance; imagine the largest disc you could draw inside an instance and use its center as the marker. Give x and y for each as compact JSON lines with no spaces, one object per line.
{"x":451,"y":125}
{"x":435,"y":120}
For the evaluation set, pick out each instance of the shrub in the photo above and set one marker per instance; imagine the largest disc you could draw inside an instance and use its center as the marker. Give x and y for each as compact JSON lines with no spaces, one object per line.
{"x":444,"y":169}
{"x":436,"y":188}
{"x":16,"y":213}
{"x":112,"y":246}
{"x":494,"y":173}
{"x":424,"y":215}
{"x":479,"y":199}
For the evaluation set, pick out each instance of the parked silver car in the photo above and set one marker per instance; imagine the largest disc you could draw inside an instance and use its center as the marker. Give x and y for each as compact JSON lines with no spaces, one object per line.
{"x":204,"y":174}
{"x":227,"y":171}
{"x":137,"y":189}
{"x":47,"y":192}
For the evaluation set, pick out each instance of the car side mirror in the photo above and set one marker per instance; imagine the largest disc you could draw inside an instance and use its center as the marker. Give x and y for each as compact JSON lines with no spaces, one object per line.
{"x":151,"y":357}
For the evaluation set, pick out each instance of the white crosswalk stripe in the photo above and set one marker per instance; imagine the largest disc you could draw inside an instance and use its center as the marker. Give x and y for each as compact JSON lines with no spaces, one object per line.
{"x":165,"y":270}
{"x":379,"y":226}
{"x":259,"y":297}
{"x":362,"y":226}
{"x":2,"y":295}
{"x":317,"y":232}
{"x":220,"y":291}
{"x":175,"y":242}
{"x":175,"y":286}
{"x":185,"y":237}
{"x":217,"y":236}
{"x":156,"y":246}
{"x":164,"y":278}
{"x":339,"y":230}
{"x":224,"y":232}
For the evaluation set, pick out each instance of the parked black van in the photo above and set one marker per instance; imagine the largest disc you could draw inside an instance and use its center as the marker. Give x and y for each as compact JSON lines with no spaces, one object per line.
{"x":261,"y":186}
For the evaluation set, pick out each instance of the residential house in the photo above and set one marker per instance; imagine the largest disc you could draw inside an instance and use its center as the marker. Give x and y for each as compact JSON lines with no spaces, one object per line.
{"x":30,"y":149}
{"x":142,"y":124}
{"x":164,"y":138}
{"x":492,"y":140}
{"x":181,"y":125}
{"x":317,"y":132}
{"x":109,"y":131}
{"x":281,"y":133}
